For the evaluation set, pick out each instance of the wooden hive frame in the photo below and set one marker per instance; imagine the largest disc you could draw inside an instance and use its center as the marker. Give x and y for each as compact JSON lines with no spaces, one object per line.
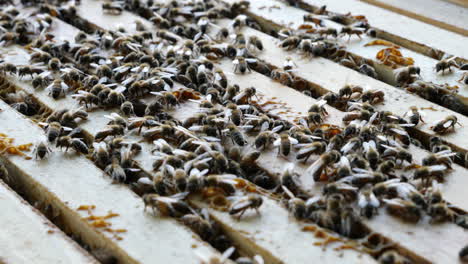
{"x":44,"y":182}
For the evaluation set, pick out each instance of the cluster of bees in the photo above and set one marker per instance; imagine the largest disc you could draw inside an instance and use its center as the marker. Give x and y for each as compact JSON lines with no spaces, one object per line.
{"x":313,"y":38}
{"x":362,"y":167}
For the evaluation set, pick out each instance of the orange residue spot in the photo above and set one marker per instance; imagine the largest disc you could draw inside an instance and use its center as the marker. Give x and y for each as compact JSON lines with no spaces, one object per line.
{"x":320,"y":234}
{"x":25,"y":147}
{"x":381,"y":42}
{"x":110,"y":215}
{"x":100,"y":223}
{"x":309,"y":228}
{"x":240,"y":183}
{"x":429,"y":108}
{"x":342,"y":247}
{"x":393,"y":57}
{"x":86,"y":207}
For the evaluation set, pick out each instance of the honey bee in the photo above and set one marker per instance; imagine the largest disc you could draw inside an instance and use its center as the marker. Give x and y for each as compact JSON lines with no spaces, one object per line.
{"x":464,"y":78}
{"x":373,"y":96}
{"x":222,"y":34}
{"x":112,"y":8}
{"x":392,"y":257}
{"x":42,"y":150}
{"x":54,"y":64}
{"x":241,"y":64}
{"x":255,"y":43}
{"x":444,"y":125}
{"x":127,"y":108}
{"x":226,"y":182}
{"x":414,"y":115}
{"x":252,"y":201}
{"x":101,"y":155}
{"x":368,"y":70}
{"x":284,"y":142}
{"x":405,"y":76}
{"x":264,"y":139}
{"x":166,"y":35}
{"x":116,"y":171}
{"x":306,"y":150}
{"x":8,"y":68}
{"x":215,"y":259}
{"x":245,"y":95}
{"x":236,"y":135}
{"x":405,"y":210}
{"x":439,"y":158}
{"x":348,"y":30}
{"x":445,"y":64}
{"x":199,"y":225}
{"x":111,"y":130}
{"x":57,"y":88}
{"x":329,"y":158}
{"x":440,"y":212}
{"x":348,"y":90}
{"x":463,"y":254}
{"x":172,"y":206}
{"x":327,"y":32}
{"x":425,"y":173}
{"x":4,"y":174}
{"x":239,"y":22}
{"x":290,"y":43}
{"x":54,"y":130}
{"x":77,"y":144}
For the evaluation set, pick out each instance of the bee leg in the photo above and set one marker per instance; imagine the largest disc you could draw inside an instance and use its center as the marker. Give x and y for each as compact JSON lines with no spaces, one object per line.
{"x":257,"y":211}
{"x":240,"y":215}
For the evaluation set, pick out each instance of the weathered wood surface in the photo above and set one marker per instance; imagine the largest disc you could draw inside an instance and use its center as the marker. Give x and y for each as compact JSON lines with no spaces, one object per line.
{"x":274,"y":234}
{"x":29,"y":237}
{"x":435,"y":12}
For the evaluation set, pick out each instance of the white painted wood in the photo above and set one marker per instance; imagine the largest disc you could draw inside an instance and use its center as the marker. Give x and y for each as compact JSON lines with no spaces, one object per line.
{"x":439,"y":13}
{"x":357,"y":46}
{"x":28,"y":237}
{"x":399,"y":25}
{"x":92,"y":11}
{"x":67,"y":181}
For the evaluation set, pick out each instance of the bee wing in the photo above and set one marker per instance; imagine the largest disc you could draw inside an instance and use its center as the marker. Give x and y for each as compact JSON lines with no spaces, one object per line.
{"x":179,"y":196}
{"x":399,"y":131}
{"x":314,"y":167}
{"x":362,"y":200}
{"x":265,"y":126}
{"x":241,"y":204}
{"x":347,"y":147}
{"x":239,"y":96}
{"x":185,"y":131}
{"x":304,"y":149}
{"x":277,"y":142}
{"x":312,"y":200}
{"x":235,"y":62}
{"x":258,"y":259}
{"x":250,"y":60}
{"x":344,"y":162}
{"x":226,"y":254}
{"x":120,"y":89}
{"x":438,"y":167}
{"x":277,"y":129}
{"x":293,"y":140}
{"x":396,"y":202}
{"x":287,"y":191}
{"x":373,"y":200}
{"x":446,"y":153}
{"x":97,"y":145}
{"x":211,"y":139}
{"x":67,"y":128}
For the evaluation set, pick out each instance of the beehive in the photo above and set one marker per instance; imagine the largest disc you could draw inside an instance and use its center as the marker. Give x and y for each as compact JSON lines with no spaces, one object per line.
{"x":123,"y":210}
